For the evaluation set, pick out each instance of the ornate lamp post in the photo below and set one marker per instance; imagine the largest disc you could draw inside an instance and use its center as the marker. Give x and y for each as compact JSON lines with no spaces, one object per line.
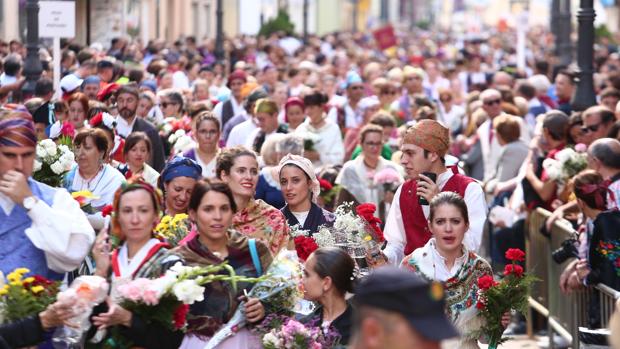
{"x":219,"y":32}
{"x":32,"y":64}
{"x":584,"y":96}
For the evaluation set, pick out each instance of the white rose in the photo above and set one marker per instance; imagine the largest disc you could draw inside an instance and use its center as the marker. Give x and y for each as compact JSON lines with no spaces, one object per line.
{"x":51,"y":150}
{"x":272,"y":339}
{"x":64,"y":149}
{"x":37,"y":165}
{"x":565,"y":154}
{"x":41,"y":153}
{"x":180,"y":133}
{"x":167,"y":128}
{"x":172,"y":139}
{"x":188,"y":291}
{"x":57,"y":168}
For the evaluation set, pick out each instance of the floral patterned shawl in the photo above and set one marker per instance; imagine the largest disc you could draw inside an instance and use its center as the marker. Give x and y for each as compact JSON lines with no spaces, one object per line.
{"x":264,"y":222}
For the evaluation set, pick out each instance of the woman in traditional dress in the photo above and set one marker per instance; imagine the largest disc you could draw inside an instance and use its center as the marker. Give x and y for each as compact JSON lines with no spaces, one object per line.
{"x":212,"y":207}
{"x":445,"y":258}
{"x":328,"y":276}
{"x":238,"y":167}
{"x":301,"y":189}
{"x":137,"y":208}
{"x":92,"y":173}
{"x":177,"y":181}
{"x":137,"y":151}
{"x":206,"y":132}
{"x":357,"y":177}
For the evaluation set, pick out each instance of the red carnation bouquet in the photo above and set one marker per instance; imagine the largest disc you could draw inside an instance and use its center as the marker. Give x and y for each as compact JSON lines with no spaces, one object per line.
{"x":496,"y":298}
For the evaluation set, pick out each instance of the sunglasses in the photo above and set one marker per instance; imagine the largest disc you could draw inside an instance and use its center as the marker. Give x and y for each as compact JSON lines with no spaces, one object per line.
{"x":495,"y":101}
{"x":388,"y":92}
{"x":357,"y":87}
{"x":166,"y":104}
{"x":591,"y":128}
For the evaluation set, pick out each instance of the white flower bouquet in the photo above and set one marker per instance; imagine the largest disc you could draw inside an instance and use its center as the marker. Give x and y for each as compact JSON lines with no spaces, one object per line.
{"x":181,"y":142}
{"x":279,"y":292}
{"x":52,"y":162}
{"x":567,"y":163}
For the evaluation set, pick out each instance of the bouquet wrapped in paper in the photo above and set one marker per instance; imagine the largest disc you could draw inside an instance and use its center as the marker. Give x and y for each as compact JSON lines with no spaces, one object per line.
{"x":52,"y":162}
{"x":84,"y":294}
{"x":25,"y":296}
{"x":279,"y":292}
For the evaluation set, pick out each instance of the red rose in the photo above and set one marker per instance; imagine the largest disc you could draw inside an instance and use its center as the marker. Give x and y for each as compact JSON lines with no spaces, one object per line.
{"x":485,"y":282}
{"x":366,"y":210}
{"x":67,"y":129}
{"x":325,"y":185}
{"x":480,"y":305}
{"x":179,"y":316}
{"x":304,"y":246}
{"x":515,"y":254}
{"x":516,"y":269}
{"x":107,"y":210}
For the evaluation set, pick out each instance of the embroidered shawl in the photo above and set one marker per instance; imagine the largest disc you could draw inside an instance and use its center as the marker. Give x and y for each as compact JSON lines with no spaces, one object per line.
{"x":264,"y":222}
{"x":316,"y":218}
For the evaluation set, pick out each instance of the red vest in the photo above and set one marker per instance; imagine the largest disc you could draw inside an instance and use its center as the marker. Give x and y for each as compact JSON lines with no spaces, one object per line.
{"x":414,"y":221}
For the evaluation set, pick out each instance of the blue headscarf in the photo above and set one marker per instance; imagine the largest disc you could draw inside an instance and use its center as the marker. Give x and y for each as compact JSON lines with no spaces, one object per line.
{"x":180,"y":167}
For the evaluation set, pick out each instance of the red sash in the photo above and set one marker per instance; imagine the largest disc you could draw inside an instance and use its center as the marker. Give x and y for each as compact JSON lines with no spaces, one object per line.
{"x":414,"y":221}
{"x":117,"y":270}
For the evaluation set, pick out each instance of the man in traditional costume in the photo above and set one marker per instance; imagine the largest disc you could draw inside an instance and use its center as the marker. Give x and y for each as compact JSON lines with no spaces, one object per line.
{"x":42,"y":228}
{"x":424,"y":149}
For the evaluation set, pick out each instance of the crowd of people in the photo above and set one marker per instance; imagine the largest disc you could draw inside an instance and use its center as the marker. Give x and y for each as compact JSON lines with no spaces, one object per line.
{"x":450,"y":142}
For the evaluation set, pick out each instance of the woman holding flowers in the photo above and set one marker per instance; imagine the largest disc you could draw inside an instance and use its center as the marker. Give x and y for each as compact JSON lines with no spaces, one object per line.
{"x":445,"y":258}
{"x":92,"y":173}
{"x":137,"y":208}
{"x":212,"y":208}
{"x":137,"y":151}
{"x":301,"y":189}
{"x":328,"y":276}
{"x":238,"y":167}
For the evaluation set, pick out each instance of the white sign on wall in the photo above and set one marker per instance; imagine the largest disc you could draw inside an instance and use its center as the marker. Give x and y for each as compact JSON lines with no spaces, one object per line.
{"x":57,"y":19}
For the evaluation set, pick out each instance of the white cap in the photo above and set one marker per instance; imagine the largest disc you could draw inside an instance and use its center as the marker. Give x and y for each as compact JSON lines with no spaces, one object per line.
{"x":307,"y":65}
{"x":69,"y":83}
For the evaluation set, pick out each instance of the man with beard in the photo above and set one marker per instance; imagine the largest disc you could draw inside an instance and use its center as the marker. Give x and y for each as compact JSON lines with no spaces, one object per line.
{"x":128,"y":122}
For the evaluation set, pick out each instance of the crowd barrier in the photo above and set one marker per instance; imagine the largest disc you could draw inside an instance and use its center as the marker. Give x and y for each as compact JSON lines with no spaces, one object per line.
{"x":564,"y":313}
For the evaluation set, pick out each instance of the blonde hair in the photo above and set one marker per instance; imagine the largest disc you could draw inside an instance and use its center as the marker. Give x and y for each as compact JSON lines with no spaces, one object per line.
{"x":265,"y":105}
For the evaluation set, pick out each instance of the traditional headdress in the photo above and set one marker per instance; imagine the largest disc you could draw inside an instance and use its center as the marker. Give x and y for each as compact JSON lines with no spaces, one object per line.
{"x":306,"y":166}
{"x":134,"y":183}
{"x":17,"y":130}
{"x":429,"y":135}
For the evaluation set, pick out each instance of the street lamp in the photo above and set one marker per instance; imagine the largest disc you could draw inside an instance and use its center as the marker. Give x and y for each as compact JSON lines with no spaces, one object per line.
{"x":306,"y":22}
{"x":32,"y":64}
{"x":565,"y":48}
{"x":584,"y":95}
{"x":354,"y":29}
{"x":219,"y":34}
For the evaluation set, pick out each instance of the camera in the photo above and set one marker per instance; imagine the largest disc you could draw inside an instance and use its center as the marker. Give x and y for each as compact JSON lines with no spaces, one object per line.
{"x":566,"y":251}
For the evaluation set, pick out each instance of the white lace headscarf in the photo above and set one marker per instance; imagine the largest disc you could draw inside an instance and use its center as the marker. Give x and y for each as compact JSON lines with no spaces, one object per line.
{"x":306,"y":166}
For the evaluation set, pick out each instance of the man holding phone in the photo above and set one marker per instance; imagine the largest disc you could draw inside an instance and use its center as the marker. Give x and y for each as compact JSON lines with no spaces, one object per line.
{"x":424,"y":149}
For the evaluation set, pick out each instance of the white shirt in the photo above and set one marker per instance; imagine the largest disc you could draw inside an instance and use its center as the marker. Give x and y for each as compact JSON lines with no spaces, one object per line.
{"x":237,"y":109}
{"x":123,"y":128}
{"x":395,"y":230}
{"x":208,"y":170}
{"x":329,"y":145}
{"x":127,"y":267}
{"x":442,"y":272}
{"x":352,"y":118}
{"x":180,"y":80}
{"x":239,"y":134}
{"x":301,"y":217}
{"x":61,"y":231}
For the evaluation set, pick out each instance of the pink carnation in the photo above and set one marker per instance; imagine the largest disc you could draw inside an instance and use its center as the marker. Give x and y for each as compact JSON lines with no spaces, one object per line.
{"x":387,"y":175}
{"x":581,"y":148}
{"x":150,"y":297}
